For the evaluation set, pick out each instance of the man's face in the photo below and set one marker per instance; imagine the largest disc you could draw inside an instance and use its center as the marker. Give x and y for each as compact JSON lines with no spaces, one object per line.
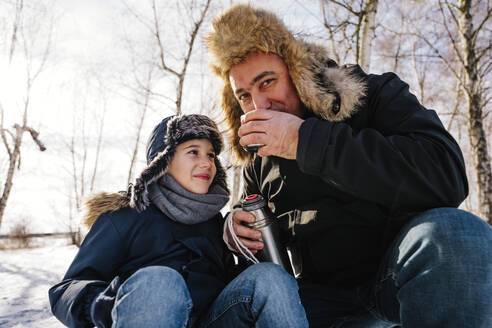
{"x":262,"y":81}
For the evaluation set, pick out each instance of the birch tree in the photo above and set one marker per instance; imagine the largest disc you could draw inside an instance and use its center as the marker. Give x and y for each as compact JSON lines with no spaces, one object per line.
{"x":85,"y":144}
{"x":190,"y":15}
{"x":362,"y":18}
{"x":467,"y":30}
{"x":475,"y":59}
{"x":143,"y":94}
{"x":31,"y":25}
{"x":167,"y":58}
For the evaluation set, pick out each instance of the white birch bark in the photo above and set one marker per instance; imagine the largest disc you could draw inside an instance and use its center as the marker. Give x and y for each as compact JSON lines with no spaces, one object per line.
{"x":475,"y":103}
{"x":367,"y":34}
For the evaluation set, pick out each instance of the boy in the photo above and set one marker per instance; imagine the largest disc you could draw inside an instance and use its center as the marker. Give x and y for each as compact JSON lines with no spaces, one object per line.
{"x":154,"y":256}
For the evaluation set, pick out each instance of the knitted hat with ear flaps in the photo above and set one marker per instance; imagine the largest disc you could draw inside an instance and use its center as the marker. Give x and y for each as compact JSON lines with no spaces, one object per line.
{"x":161,"y":147}
{"x":330,"y":92}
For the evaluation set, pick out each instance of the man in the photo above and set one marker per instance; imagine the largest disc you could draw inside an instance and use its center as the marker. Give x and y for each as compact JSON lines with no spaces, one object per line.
{"x":364,"y":179}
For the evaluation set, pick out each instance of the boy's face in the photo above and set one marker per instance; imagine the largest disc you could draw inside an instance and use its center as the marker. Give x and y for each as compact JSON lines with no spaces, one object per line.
{"x":193,"y":165}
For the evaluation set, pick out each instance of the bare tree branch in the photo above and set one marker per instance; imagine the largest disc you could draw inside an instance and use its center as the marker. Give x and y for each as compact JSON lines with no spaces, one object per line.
{"x":2,"y":132}
{"x":482,"y":23}
{"x":191,"y":43}
{"x":98,"y":146}
{"x":140,"y":123}
{"x":139,"y":17}
{"x":35,"y":135}
{"x":438,"y":53}
{"x":447,"y":3}
{"x":17,"y":21}
{"x":450,"y":35}
{"x":19,"y":37}
{"x":456,"y":107}
{"x":159,"y":42}
{"x":346,"y":6}
{"x":484,"y":51}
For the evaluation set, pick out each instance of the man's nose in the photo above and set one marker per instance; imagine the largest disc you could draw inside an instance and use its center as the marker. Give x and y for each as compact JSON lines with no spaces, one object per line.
{"x":261,"y":101}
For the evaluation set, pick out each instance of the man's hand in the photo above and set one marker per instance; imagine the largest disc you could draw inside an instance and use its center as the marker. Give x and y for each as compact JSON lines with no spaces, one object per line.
{"x":249,"y":237}
{"x":277,"y":131}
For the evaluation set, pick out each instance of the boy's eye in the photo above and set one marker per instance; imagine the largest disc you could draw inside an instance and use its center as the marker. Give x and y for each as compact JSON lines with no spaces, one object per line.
{"x":193,"y":152}
{"x":211,"y":155}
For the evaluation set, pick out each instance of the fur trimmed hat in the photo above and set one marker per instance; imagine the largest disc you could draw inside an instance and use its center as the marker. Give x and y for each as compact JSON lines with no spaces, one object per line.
{"x":329,"y":91}
{"x":161,"y":147}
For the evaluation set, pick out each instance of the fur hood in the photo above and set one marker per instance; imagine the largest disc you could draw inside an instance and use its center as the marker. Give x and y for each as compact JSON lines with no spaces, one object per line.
{"x":161,"y":147}
{"x":332,"y":93}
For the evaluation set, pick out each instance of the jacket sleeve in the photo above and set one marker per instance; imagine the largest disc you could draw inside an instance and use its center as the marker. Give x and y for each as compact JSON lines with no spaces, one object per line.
{"x":403,"y":158}
{"x":89,"y":274}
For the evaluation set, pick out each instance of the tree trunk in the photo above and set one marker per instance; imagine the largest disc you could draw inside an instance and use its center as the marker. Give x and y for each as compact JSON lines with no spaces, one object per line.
{"x":236,"y":182}
{"x":140,"y":125}
{"x":11,"y":171}
{"x":98,"y":147}
{"x":478,"y":140}
{"x":368,"y":31}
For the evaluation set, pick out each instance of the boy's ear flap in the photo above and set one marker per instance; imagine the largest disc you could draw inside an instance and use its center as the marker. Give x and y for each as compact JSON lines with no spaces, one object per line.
{"x":156,"y":169}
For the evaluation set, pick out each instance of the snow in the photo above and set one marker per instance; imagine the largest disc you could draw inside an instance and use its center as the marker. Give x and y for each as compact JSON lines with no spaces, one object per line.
{"x":25,"y":277}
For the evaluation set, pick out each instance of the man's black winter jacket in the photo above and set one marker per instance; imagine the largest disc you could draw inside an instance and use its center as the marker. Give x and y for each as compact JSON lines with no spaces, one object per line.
{"x":354,"y":183}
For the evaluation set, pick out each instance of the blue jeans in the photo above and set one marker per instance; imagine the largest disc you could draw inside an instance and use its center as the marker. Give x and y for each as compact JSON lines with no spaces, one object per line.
{"x":436,"y":273}
{"x":263,"y":295}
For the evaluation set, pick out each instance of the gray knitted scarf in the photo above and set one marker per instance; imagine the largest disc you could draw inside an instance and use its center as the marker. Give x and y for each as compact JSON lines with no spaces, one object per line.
{"x":184,"y":206}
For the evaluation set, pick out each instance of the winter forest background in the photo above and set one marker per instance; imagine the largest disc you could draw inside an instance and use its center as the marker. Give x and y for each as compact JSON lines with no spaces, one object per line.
{"x":82,"y":83}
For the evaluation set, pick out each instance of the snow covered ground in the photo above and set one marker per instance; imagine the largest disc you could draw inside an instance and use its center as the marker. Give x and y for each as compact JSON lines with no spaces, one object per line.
{"x":25,"y":277}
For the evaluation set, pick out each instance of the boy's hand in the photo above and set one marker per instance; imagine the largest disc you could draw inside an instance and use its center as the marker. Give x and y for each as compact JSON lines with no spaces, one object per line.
{"x":251,"y":238}
{"x":103,"y":304}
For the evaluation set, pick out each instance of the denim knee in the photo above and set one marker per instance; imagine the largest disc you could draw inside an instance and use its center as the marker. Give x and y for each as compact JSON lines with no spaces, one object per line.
{"x":453,"y":239}
{"x":156,"y":283}
{"x":269,"y":276}
{"x":452,"y":229}
{"x":441,"y":260}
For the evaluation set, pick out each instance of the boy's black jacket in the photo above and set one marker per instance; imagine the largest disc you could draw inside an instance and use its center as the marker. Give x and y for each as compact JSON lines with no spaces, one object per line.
{"x":121,"y":242}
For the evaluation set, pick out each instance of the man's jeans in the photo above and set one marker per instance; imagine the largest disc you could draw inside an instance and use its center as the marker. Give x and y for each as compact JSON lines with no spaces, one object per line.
{"x":437,"y":273}
{"x":263,"y":295}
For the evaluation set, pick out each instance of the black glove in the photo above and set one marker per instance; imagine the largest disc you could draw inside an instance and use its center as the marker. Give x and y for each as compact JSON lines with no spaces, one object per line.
{"x":103,"y":304}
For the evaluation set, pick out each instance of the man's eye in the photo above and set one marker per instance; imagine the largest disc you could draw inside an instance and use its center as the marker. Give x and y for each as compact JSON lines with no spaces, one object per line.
{"x":244,"y":97}
{"x":193,"y":152}
{"x":267,"y":82}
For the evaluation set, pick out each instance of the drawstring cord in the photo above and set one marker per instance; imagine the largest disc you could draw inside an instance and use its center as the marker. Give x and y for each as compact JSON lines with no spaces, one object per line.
{"x":239,"y":245}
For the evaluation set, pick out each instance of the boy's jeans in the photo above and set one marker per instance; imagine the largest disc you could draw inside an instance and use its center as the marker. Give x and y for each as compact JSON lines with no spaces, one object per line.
{"x":263,"y":295}
{"x":437,"y":273}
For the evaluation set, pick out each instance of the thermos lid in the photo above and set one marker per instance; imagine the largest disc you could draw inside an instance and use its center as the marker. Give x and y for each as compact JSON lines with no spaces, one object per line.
{"x":253,"y":202}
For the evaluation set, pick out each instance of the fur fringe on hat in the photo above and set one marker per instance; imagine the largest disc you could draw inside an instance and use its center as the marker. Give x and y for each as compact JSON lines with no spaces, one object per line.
{"x":179,"y":129}
{"x":331,"y":92}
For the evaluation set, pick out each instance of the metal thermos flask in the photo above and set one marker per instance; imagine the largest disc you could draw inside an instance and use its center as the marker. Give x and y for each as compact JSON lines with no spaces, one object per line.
{"x":273,"y":250}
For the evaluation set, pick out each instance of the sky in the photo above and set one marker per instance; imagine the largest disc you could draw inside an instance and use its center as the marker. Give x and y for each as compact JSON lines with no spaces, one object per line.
{"x":86,"y":79}
{"x":89,"y":51}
